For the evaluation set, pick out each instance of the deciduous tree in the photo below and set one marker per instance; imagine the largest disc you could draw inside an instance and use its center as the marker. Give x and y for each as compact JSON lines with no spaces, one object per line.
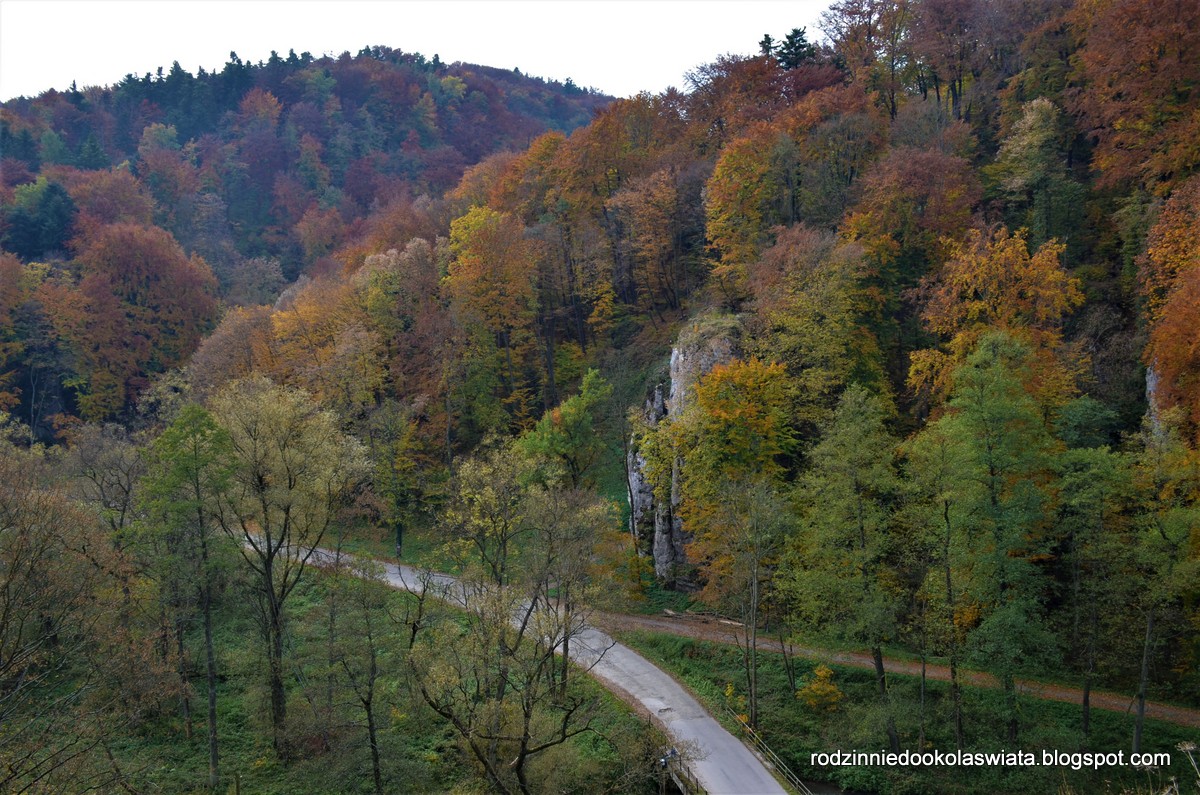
{"x":292,"y":470}
{"x":839,"y":579}
{"x":1135,"y":66}
{"x":189,"y":470}
{"x":993,"y":283}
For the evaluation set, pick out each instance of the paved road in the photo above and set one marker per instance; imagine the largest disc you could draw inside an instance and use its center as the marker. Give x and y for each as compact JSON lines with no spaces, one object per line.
{"x":720,"y":762}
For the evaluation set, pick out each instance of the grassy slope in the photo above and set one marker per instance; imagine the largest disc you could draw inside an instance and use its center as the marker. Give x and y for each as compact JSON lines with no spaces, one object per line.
{"x":420,"y":751}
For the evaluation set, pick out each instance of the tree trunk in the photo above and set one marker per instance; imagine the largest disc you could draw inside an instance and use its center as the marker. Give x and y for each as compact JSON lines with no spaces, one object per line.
{"x":1143,"y":680}
{"x":753,"y":673}
{"x":881,"y":681}
{"x":331,"y":651}
{"x":210,"y":664}
{"x":275,"y":668}
{"x":956,"y":698}
{"x":565,"y":657}
{"x":789,"y":660}
{"x":550,"y":398}
{"x":924,"y":648}
{"x":181,"y":668}
{"x":369,"y":705}
{"x":955,"y":687}
{"x":374,"y":740}
{"x":1010,"y":696}
{"x":1087,"y":679}
{"x":752,"y":645}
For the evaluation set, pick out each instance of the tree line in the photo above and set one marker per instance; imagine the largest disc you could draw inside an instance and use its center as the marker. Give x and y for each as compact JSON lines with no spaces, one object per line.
{"x":955,"y":239}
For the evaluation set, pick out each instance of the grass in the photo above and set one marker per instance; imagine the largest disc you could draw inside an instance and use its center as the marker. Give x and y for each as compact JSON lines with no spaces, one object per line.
{"x":420,"y":750}
{"x":421,"y":543}
{"x":795,"y":730}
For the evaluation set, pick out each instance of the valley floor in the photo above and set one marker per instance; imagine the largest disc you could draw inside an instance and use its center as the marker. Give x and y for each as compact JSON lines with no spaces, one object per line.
{"x":716,"y":631}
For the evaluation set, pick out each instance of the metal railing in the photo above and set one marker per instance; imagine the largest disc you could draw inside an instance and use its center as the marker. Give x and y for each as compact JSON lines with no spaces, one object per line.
{"x":677,"y":768}
{"x":761,"y":746}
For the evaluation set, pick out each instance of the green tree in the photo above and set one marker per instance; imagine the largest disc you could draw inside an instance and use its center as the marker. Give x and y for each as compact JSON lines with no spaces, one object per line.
{"x":567,"y":435}
{"x":392,"y":443}
{"x":754,"y":517}
{"x":839,"y":575}
{"x":292,"y":470}
{"x":1096,"y":494}
{"x":366,"y":659}
{"x":495,"y":671}
{"x":189,"y":469}
{"x":39,"y":221}
{"x":938,"y":515}
{"x":1031,"y":174}
{"x":91,"y":154}
{"x":1167,"y":480}
{"x":1004,"y":450}
{"x":794,"y":51}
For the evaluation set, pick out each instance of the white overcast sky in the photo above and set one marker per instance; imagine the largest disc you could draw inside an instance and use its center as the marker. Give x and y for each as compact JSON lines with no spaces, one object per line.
{"x":618,"y":46}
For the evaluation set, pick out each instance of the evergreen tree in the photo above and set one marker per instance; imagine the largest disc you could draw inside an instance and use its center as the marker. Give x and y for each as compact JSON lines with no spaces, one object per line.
{"x":795,"y":50}
{"x":91,"y":155}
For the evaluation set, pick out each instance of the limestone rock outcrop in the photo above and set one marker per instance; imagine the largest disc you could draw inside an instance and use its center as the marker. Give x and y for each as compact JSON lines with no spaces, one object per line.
{"x":708,"y":340}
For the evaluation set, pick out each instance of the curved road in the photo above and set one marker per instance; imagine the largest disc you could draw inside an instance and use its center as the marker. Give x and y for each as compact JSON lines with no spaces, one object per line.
{"x":719,"y":761}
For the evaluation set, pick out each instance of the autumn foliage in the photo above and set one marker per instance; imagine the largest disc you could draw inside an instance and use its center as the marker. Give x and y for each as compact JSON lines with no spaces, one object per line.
{"x":993,"y":282}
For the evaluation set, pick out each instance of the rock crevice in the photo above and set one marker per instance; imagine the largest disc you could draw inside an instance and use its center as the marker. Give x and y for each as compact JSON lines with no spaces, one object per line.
{"x":707,"y":341}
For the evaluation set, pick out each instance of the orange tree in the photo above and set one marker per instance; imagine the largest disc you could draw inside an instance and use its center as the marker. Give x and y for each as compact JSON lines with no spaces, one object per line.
{"x":732,"y":438}
{"x":992,"y":282}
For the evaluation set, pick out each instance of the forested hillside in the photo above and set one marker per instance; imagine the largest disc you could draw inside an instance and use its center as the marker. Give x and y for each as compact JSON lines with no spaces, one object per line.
{"x":883,"y":338}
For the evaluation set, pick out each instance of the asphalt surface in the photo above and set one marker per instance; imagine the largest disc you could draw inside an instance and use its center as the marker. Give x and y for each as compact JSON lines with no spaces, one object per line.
{"x":718,"y":760}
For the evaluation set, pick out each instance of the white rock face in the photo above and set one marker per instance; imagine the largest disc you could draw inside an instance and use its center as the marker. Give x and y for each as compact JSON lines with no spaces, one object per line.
{"x":708,"y":341}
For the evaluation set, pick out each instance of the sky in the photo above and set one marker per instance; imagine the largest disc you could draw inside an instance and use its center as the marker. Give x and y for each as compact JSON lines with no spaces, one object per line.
{"x":620,"y":47}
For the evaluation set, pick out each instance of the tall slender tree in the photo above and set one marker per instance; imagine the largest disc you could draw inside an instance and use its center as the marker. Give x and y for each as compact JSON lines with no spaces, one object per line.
{"x":190,"y":468}
{"x":292,"y":470}
{"x":839,"y":578}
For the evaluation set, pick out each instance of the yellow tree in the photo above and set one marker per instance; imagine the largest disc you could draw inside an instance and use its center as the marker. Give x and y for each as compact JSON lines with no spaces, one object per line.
{"x":323,"y":344}
{"x":992,"y":282}
{"x":1172,"y":247}
{"x":751,"y":190}
{"x":732,"y":437}
{"x":291,"y":470}
{"x":491,"y":288}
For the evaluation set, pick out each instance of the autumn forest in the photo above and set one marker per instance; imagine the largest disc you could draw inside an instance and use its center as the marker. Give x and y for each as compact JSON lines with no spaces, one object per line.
{"x":880,"y":340}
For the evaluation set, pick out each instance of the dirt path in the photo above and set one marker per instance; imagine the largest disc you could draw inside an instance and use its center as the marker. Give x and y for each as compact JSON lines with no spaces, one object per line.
{"x":716,"y":631}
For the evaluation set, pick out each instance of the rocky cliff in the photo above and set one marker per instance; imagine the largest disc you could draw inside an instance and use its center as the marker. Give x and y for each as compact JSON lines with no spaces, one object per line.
{"x":708,"y":340}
